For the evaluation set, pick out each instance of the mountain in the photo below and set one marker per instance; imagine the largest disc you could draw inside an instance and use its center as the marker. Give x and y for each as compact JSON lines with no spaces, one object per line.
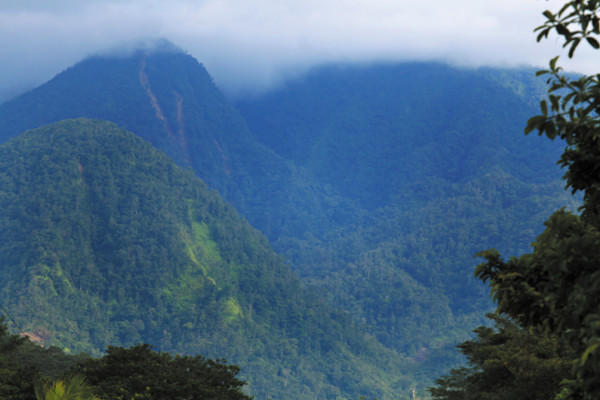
{"x":104,"y":240}
{"x":436,"y":159}
{"x":168,"y":98}
{"x":372,"y":132}
{"x":377,"y":183}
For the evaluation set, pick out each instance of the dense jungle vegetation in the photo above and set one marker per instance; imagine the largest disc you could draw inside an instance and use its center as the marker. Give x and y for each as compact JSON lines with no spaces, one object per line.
{"x":121,"y":246}
{"x":551,"y":293}
{"x":31,"y":372}
{"x":376,"y":184}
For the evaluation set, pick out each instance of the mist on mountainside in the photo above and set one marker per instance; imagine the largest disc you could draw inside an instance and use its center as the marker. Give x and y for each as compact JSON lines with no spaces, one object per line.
{"x":376,"y":183}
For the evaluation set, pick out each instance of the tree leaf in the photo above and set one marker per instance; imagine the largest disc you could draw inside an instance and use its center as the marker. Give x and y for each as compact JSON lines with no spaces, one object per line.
{"x":562,"y":30}
{"x":548,"y":14}
{"x":544,"y":107}
{"x":591,"y":349}
{"x":573,"y":47}
{"x":593,"y":42}
{"x":543,"y":34}
{"x":535,"y":123}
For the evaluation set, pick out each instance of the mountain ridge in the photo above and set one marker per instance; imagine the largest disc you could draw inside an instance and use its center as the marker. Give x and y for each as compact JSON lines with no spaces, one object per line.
{"x":196,"y":126}
{"x":377,"y":184}
{"x":109,"y":242}
{"x":436,"y":160}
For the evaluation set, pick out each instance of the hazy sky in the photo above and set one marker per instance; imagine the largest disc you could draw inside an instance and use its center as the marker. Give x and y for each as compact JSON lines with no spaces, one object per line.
{"x":255,"y":43}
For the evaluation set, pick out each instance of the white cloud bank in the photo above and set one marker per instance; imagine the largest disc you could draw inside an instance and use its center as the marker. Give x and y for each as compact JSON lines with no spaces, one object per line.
{"x":247,"y":44}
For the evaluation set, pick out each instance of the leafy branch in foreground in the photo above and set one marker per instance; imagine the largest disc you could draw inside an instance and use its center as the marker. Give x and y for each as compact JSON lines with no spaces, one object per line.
{"x":507,"y":362}
{"x":556,"y":287}
{"x":582,"y":14}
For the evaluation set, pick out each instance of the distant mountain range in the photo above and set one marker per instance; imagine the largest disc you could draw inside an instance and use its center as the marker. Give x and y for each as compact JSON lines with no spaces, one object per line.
{"x":377,"y":184}
{"x":436,"y":162}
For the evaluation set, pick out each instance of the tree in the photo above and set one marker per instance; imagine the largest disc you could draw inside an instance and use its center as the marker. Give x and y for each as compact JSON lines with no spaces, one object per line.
{"x":16,"y":378}
{"x":70,"y":388}
{"x":557,"y":286}
{"x":141,"y":373}
{"x":507,"y":362}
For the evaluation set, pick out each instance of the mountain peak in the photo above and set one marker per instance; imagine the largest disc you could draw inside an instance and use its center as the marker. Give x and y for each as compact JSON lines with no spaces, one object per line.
{"x":149,"y":45}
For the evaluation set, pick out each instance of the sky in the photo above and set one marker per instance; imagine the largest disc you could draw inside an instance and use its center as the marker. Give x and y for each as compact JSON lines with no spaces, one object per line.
{"x":250,"y":45}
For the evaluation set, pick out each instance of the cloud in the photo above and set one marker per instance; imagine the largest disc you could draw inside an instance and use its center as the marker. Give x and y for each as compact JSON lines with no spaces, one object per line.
{"x":250,"y":44}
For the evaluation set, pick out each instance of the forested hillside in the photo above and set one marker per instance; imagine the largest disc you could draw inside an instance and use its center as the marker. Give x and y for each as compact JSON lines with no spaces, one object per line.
{"x":166,"y":97}
{"x":104,"y":240}
{"x":436,"y":159}
{"x":377,"y":183}
{"x":376,"y":132}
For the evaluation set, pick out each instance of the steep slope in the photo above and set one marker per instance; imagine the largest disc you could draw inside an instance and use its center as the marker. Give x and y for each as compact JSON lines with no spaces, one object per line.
{"x":437,"y":160}
{"x":169,"y":99}
{"x":378,"y":183}
{"x":104,"y":240}
{"x":373,"y":131}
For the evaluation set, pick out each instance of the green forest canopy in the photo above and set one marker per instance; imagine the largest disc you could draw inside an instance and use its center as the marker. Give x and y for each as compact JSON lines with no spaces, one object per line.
{"x":553,"y":291}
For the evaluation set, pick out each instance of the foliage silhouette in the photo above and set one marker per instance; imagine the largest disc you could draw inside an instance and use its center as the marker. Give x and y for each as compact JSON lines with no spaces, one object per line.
{"x":556,"y":286}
